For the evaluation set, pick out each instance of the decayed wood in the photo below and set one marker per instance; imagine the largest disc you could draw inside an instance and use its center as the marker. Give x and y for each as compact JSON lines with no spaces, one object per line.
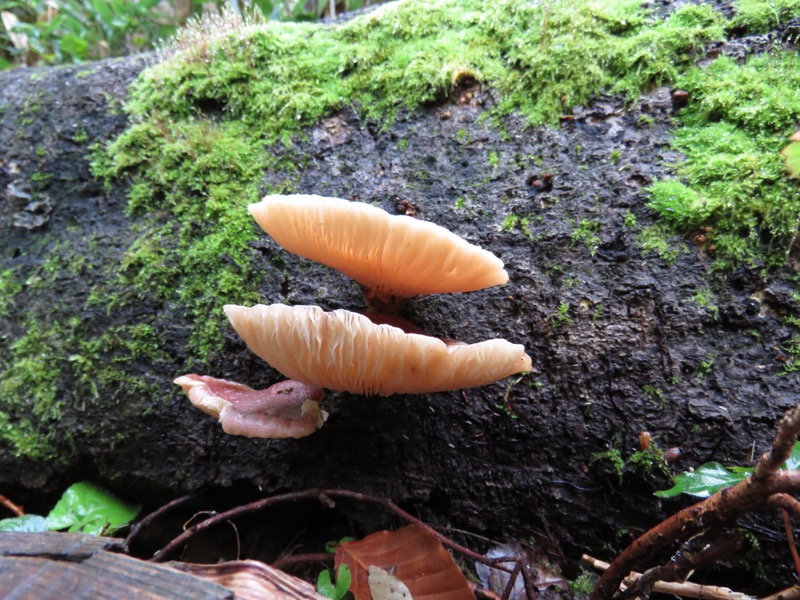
{"x":73,"y":547}
{"x":58,"y":566}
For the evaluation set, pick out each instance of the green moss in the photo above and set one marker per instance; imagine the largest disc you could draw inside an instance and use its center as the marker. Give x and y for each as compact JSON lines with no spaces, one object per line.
{"x":659,"y":240}
{"x":586,"y":233}
{"x":760,"y":16}
{"x":29,"y":388}
{"x":9,"y":287}
{"x":733,"y":179}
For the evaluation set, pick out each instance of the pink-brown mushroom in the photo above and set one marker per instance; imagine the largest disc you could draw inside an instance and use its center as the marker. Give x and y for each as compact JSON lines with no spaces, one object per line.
{"x":289,"y":409}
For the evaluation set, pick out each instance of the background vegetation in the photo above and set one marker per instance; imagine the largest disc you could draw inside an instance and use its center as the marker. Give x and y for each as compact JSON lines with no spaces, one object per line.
{"x":44,"y":32}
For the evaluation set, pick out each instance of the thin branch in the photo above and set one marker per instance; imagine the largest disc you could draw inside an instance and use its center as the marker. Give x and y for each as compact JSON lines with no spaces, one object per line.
{"x":792,"y":593}
{"x":136,"y":529}
{"x":788,"y":430}
{"x":327,"y":497}
{"x":293,"y":559}
{"x":786,"y":502}
{"x":684,"y":590}
{"x":705,"y":550}
{"x":14,"y":508}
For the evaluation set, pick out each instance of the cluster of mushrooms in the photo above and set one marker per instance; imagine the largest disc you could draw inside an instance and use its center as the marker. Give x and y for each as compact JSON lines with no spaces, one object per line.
{"x":393,"y":258}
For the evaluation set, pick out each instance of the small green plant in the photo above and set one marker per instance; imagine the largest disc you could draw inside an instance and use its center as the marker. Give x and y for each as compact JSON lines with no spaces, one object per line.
{"x":586,"y":233}
{"x":614,"y":456}
{"x":84,"y":508}
{"x":513,"y":221}
{"x":646,"y":462}
{"x":338,"y":590}
{"x":649,"y":461}
{"x":704,"y":298}
{"x":659,"y":239}
{"x":615,"y":156}
{"x":561,"y":318}
{"x":630,"y":219}
{"x":493,"y":158}
{"x":656,"y":395}
{"x":705,"y":367}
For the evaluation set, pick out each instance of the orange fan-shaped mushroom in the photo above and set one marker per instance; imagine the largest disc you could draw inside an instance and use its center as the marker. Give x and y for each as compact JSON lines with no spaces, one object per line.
{"x":392,"y":256}
{"x":345,"y":351}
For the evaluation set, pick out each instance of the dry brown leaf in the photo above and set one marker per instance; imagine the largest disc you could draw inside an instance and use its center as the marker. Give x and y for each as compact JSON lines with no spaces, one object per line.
{"x":411,"y":554}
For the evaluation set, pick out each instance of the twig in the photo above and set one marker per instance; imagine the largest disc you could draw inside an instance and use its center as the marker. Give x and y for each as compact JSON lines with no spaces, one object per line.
{"x":14,"y":508}
{"x":792,"y":593}
{"x":153,"y":516}
{"x":685,"y":590}
{"x":788,"y":430}
{"x":710,"y":548}
{"x":783,"y":499}
{"x":512,"y":579}
{"x":326,"y":497}
{"x":293,"y":559}
{"x":786,"y":502}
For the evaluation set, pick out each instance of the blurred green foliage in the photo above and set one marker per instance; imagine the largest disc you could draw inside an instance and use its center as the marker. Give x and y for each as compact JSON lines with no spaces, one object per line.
{"x":45,"y":32}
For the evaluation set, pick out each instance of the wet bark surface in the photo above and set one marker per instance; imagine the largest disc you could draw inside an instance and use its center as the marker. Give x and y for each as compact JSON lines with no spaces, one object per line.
{"x":618,"y":344}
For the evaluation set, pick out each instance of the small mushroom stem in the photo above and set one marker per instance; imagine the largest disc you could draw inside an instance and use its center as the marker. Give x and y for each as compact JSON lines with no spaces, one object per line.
{"x":379,"y":301}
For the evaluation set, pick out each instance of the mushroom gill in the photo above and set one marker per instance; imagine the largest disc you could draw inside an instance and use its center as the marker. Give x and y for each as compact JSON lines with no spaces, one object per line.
{"x":392,"y":256}
{"x":345,"y":351}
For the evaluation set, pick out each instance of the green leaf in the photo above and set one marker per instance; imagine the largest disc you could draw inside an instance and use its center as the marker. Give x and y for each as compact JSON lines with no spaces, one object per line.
{"x":24,"y":524}
{"x":324,"y":585}
{"x":712,"y":477}
{"x":87,"y":508}
{"x":703,"y":482}
{"x":332,"y":545}
{"x":343,"y":579}
{"x":792,"y":156}
{"x":335,"y":592}
{"x":75,"y":46}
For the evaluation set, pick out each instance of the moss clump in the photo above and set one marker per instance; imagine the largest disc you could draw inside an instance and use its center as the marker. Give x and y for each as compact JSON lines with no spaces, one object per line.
{"x":9,"y":287}
{"x":733,"y":182}
{"x":760,"y":16}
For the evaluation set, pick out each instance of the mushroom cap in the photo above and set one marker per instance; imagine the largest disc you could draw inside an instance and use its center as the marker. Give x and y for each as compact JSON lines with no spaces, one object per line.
{"x":286,"y":409}
{"x":345,"y":351}
{"x":394,"y":255}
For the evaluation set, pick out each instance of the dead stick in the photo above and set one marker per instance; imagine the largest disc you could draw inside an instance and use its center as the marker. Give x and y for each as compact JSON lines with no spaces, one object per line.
{"x":324,"y":496}
{"x":685,"y":590}
{"x":14,"y":508}
{"x":792,"y":593}
{"x":136,"y":529}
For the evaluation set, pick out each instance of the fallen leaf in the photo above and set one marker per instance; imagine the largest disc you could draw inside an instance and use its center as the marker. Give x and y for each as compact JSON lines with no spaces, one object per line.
{"x":412,"y":555}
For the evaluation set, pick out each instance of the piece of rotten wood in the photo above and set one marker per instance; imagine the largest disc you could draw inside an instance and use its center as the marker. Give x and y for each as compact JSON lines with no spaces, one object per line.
{"x":54,"y":566}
